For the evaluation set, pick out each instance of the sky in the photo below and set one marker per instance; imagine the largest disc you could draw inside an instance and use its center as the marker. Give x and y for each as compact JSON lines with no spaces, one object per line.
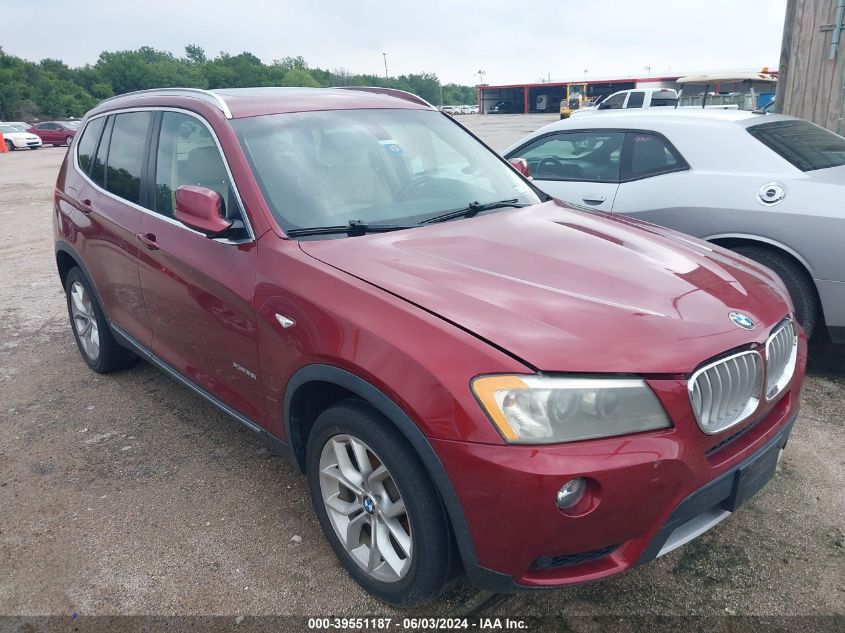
{"x":511,"y":40}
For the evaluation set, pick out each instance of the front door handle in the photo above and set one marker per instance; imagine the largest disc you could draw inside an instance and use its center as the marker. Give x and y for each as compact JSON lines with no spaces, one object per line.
{"x":593,"y":199}
{"x":149,"y":240}
{"x":85,"y":206}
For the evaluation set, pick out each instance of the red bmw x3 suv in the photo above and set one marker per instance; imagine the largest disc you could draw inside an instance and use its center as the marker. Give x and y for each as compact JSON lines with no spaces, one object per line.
{"x":472,"y":376}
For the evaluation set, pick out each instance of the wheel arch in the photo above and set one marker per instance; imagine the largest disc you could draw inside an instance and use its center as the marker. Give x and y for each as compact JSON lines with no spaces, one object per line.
{"x":67,"y":258}
{"x":727,"y":240}
{"x":329,"y":384}
{"x":731,"y":241}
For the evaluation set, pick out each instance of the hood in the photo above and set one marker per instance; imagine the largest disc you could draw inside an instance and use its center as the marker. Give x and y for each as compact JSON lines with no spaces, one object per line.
{"x":565,"y":290}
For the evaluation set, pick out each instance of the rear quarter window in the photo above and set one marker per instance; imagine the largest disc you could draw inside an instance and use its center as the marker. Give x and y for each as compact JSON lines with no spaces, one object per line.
{"x":88,"y":143}
{"x":807,"y":146}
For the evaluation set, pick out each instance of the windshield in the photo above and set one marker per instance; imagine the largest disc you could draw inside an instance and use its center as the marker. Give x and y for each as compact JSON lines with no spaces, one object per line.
{"x":327,"y":168}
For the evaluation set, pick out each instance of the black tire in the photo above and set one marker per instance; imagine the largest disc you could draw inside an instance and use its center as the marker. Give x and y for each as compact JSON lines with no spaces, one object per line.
{"x":430,"y":567}
{"x":109,"y":356}
{"x":796,"y":280}
{"x":68,"y":141}
{"x":9,"y":145}
{"x":36,"y":147}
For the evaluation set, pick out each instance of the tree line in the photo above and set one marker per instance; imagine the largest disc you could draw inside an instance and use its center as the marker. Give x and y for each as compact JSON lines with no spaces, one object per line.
{"x":50,"y":89}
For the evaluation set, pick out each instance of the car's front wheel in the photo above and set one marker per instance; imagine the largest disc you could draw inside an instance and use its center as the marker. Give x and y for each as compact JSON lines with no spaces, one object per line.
{"x":376,"y":505}
{"x":9,"y":145}
{"x":90,"y":328}
{"x":68,"y":140}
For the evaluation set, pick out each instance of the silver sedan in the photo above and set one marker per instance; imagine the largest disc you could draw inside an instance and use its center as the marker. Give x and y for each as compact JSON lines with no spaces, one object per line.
{"x":768,"y":186}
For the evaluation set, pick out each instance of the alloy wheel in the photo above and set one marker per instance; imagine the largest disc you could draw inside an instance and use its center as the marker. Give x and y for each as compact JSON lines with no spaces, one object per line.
{"x":85,"y":320}
{"x":68,"y":140}
{"x":365,"y":508}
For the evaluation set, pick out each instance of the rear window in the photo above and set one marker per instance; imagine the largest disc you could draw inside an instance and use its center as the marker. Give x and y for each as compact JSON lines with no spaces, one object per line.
{"x":803,"y":144}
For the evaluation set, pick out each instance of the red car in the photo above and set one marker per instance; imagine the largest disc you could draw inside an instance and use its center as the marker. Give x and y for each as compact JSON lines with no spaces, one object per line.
{"x":55,"y":132}
{"x":473,"y":377}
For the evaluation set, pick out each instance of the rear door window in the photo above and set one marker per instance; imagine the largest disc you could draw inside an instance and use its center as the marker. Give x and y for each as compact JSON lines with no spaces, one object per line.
{"x":649,"y":154}
{"x":126,"y":154}
{"x":807,"y":146}
{"x":635,"y":100}
{"x":87,"y":144}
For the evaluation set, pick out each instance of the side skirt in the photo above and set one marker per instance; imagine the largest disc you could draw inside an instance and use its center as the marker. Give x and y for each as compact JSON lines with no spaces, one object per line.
{"x":277,"y":445}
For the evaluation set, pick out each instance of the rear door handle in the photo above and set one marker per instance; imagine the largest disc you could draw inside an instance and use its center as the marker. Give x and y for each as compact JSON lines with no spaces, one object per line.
{"x":149,"y":240}
{"x":593,"y":199}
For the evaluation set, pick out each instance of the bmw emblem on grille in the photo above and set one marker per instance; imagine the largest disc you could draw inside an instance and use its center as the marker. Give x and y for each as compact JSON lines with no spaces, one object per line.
{"x":742,"y":320}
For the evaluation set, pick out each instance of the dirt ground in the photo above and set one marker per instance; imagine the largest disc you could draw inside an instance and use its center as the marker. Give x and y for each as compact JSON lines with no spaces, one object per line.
{"x":127,"y":494}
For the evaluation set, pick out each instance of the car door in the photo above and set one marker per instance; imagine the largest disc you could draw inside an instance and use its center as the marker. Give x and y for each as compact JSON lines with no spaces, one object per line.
{"x":62,"y":133}
{"x":108,"y":214}
{"x":580,"y":167}
{"x":198,"y":289}
{"x":45,"y":131}
{"x":656,"y":181}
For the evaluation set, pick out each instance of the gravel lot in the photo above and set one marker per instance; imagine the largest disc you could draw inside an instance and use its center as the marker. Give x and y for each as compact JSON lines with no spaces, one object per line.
{"x":127,"y":494}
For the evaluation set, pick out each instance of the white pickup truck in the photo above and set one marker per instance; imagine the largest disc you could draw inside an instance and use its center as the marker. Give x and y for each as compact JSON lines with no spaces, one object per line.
{"x":635,"y":98}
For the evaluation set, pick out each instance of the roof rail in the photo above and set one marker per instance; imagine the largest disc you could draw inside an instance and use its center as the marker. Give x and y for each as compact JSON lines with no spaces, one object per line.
{"x":206,"y":95}
{"x":392,"y":92}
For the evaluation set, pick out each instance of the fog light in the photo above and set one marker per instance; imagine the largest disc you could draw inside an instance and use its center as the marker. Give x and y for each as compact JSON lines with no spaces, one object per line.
{"x":571,"y":493}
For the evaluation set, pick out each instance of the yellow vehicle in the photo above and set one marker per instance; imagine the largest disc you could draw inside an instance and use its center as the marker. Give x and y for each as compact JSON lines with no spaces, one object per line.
{"x":575,"y":98}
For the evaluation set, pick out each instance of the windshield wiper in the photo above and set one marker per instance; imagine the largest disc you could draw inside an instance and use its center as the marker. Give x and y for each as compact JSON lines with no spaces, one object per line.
{"x":472,"y":209}
{"x":353,"y":228}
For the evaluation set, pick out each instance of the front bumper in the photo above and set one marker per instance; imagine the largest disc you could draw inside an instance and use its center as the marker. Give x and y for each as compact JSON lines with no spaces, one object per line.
{"x":21,"y":143}
{"x":648,"y":494}
{"x":713,"y":503}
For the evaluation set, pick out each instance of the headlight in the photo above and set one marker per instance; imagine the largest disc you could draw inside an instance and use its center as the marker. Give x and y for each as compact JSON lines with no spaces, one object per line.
{"x":546,"y":410}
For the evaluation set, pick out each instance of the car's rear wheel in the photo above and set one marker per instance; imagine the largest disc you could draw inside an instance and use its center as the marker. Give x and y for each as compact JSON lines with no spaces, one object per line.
{"x":376,"y":505}
{"x":796,"y":280}
{"x":90,"y":328}
{"x":68,"y":140}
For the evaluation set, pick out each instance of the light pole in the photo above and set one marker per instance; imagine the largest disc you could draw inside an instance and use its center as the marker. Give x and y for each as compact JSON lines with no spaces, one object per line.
{"x":386,"y":78}
{"x":481,"y":74}
{"x":647,"y":69}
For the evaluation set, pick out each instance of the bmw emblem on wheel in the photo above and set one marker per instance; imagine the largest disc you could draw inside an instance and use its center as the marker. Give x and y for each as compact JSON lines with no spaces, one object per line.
{"x":742,"y":320}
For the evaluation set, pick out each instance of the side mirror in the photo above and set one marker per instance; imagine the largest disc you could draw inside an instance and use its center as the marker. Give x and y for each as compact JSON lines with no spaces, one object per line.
{"x":201,"y":208}
{"x":521,"y":165}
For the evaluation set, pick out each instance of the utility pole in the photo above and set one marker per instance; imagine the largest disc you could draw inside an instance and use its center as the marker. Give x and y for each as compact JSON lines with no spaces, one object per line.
{"x":386,"y":78}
